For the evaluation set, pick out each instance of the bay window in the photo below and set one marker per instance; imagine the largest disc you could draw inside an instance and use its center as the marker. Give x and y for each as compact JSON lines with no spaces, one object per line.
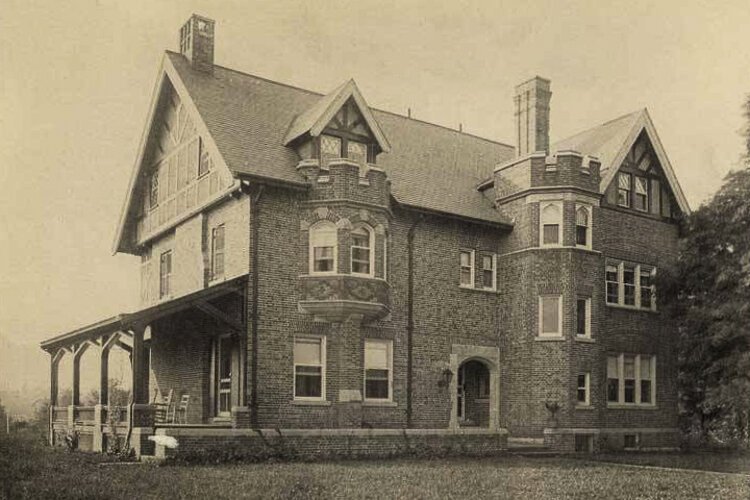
{"x":550,"y":316}
{"x":550,"y":222}
{"x":361,"y":251}
{"x":323,"y":241}
{"x":583,"y":226}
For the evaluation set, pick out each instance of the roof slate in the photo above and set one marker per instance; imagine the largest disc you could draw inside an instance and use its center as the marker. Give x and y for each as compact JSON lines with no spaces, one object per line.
{"x":431,"y":167}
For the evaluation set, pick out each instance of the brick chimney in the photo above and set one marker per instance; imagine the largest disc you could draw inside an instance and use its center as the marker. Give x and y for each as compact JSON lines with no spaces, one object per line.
{"x":532,"y":115}
{"x":197,"y":42}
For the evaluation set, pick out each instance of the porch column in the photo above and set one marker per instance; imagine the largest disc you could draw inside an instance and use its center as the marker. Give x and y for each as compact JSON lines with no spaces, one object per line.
{"x":76,"y":387}
{"x":137,"y":367}
{"x":53,"y":376}
{"x":106,"y":346}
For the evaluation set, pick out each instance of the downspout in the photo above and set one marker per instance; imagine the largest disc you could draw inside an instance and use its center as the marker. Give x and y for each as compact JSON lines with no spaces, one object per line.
{"x":410,"y":318}
{"x":254,"y":230}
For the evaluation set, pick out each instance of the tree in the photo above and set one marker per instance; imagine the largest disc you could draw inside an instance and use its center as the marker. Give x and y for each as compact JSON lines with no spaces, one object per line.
{"x":709,"y":296}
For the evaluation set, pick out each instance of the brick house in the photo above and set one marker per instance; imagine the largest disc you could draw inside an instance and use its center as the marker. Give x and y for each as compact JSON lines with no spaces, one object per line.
{"x":342,"y":274}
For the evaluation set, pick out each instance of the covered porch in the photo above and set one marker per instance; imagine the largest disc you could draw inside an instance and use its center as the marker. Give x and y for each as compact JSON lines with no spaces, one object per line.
{"x":187,"y":368}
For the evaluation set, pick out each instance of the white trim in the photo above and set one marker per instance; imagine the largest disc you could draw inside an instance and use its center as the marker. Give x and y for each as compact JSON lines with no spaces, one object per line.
{"x":472,"y":266}
{"x":311,"y":245}
{"x":389,"y":356}
{"x":559,"y":332}
{"x":371,"y":249}
{"x":589,"y":226}
{"x":323,"y":363}
{"x":542,"y":207}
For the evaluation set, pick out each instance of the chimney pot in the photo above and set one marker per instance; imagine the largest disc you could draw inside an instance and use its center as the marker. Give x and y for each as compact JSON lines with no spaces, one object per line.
{"x":532,"y":99}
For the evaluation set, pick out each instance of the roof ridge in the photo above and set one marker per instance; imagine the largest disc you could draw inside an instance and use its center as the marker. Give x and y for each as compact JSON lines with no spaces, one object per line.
{"x":626,"y":115}
{"x":320,"y":94}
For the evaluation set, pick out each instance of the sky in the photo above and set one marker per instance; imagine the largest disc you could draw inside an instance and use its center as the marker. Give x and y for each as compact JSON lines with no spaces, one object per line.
{"x":76,"y":79}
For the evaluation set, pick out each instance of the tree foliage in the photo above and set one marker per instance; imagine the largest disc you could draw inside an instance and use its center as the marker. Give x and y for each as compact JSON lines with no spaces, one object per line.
{"x":709,"y":296}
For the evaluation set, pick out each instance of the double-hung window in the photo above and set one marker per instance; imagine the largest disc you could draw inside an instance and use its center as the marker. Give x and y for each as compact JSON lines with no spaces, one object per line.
{"x":624,"y":189}
{"x":466,"y":263}
{"x":323,"y":241}
{"x":583,"y":317}
{"x":550,"y":316}
{"x":583,"y":226}
{"x":489,"y":272}
{"x":361,"y":250}
{"x":630,"y":284}
{"x":378,"y":370}
{"x":630,"y":379}
{"x":550,"y":224}
{"x":217,"y":252}
{"x":309,"y":368}
{"x":583,"y":397}
{"x":641,"y":194}
{"x":165,"y":273}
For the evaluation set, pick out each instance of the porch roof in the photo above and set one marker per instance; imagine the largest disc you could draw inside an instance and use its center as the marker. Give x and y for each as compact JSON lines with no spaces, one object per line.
{"x":142,"y":317}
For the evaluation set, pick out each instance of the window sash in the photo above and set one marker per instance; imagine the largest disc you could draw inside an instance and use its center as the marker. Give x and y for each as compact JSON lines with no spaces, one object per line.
{"x":378,"y":368}
{"x":550,"y":316}
{"x":624,"y":189}
{"x":356,"y":151}
{"x":630,"y":285}
{"x":361,"y":252}
{"x":489,"y":272}
{"x":550,"y":219}
{"x":631,"y":380}
{"x":217,"y":252}
{"x":323,"y":241}
{"x":309,"y":368}
{"x":165,"y":272}
{"x":583,"y":317}
{"x":466,"y":262}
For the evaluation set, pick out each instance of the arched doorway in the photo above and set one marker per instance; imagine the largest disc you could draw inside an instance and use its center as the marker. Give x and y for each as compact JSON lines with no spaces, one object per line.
{"x":474,"y":386}
{"x":473,"y":394}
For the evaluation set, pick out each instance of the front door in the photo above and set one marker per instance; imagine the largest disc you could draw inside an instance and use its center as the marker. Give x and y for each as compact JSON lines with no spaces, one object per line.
{"x":224,"y":350}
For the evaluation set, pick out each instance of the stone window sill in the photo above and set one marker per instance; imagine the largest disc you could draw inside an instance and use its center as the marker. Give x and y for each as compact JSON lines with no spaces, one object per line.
{"x":632,"y":308}
{"x":630,"y":406}
{"x":585,"y":340}
{"x":310,"y":402}
{"x":549,"y":339}
{"x":380,"y":404}
{"x":585,"y":407}
{"x":473,"y":289}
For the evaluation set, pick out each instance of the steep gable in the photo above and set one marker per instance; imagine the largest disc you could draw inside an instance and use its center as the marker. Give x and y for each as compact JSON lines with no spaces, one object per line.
{"x":178,"y":170}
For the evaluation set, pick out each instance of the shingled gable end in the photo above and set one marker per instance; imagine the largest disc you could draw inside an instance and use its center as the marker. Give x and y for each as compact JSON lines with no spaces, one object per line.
{"x":337,"y":272}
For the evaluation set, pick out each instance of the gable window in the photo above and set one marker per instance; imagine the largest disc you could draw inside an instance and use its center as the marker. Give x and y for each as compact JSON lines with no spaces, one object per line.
{"x":641,"y":194}
{"x":309,"y":367}
{"x":204,"y":163}
{"x":356,"y":151}
{"x":217,"y":252}
{"x":323,"y":240}
{"x":165,"y":273}
{"x":630,"y":379}
{"x":361,"y":250}
{"x":630,"y":284}
{"x":153,"y":195}
{"x":583,"y":397}
{"x":466,"y":261}
{"x":378,"y":369}
{"x":489,"y":271}
{"x":583,"y":317}
{"x":624,"y":188}
{"x":583,"y":226}
{"x":550,"y":316}
{"x":330,"y":148}
{"x":551,"y":224}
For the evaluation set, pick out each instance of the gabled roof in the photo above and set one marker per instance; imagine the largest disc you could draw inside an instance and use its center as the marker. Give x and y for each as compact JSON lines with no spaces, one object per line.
{"x":431,"y":167}
{"x":320,"y":114}
{"x":611,"y":141}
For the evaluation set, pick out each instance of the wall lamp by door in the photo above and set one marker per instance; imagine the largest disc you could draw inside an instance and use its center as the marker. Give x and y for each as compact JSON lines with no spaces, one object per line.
{"x":445,"y":378}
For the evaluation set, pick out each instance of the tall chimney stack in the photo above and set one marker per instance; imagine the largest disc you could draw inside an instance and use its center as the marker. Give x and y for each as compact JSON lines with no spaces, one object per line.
{"x":532,"y":115}
{"x":197,"y":42}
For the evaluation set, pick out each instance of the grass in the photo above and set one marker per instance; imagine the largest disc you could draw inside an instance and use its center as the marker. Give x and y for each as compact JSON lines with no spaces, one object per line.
{"x":738,"y":463}
{"x":29,"y":469}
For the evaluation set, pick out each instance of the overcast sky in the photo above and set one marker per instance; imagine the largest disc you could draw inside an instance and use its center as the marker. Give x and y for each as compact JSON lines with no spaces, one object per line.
{"x":76,"y":78}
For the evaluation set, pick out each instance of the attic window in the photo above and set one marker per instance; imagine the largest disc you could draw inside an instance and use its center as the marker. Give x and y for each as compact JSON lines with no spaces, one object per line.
{"x":357,"y":151}
{"x":204,"y":165}
{"x":153,"y":195}
{"x":330,"y":147}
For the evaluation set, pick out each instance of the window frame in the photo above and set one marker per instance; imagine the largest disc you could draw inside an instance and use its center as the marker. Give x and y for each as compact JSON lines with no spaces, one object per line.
{"x":389,"y":357}
{"x":312,"y":244}
{"x":216,"y":252}
{"x":587,"y":318}
{"x":589,"y":225}
{"x":370,"y":250}
{"x":493,"y":269}
{"x":471,"y":267}
{"x":646,"y":196}
{"x":586,"y":388}
{"x":540,"y":329}
{"x":637,"y":358}
{"x":638,"y":289}
{"x":542,"y":222}
{"x":165,"y":277}
{"x":628,"y":191}
{"x":323,"y":363}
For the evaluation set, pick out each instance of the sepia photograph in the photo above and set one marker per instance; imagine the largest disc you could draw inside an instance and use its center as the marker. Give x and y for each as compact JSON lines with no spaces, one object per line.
{"x":328,"y":249}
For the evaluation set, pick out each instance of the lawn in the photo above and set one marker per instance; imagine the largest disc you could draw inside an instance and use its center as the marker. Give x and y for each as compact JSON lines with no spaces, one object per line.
{"x":28,"y":469}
